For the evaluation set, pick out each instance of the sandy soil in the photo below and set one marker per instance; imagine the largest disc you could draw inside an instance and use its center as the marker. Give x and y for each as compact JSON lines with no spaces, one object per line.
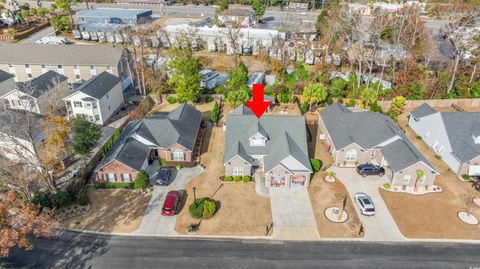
{"x":242,"y":211}
{"x":433,"y":215}
{"x":119,"y":211}
{"x":323,"y":194}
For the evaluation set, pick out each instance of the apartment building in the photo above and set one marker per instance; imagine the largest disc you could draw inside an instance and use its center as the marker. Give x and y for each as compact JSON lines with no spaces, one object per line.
{"x":77,"y":63}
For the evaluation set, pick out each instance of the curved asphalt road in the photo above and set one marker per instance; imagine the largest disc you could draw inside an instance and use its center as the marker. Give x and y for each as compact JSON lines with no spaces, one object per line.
{"x":80,"y":250}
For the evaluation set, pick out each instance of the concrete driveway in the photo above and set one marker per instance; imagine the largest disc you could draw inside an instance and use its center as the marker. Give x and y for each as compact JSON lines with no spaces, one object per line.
{"x":380,"y":227}
{"x":153,"y":222}
{"x":292,"y":214}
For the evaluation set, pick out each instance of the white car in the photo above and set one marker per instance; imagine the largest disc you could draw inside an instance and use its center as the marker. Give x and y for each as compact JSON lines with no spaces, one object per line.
{"x":365,"y":204}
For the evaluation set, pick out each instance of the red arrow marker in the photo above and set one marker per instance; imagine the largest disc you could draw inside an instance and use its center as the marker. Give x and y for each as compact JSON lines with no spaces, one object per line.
{"x":258,"y":105}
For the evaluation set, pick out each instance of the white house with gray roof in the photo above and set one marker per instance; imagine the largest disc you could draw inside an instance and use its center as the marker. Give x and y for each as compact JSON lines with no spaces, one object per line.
{"x":455,"y":136}
{"x":39,"y":94}
{"x":97,"y":99}
{"x":355,"y":138}
{"x":273,"y":148}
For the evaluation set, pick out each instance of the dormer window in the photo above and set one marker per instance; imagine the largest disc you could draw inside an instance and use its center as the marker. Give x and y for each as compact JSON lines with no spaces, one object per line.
{"x":476,"y":139}
{"x":257,"y":142}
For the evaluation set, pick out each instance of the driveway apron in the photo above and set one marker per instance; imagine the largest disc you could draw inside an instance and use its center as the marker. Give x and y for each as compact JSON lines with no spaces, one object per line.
{"x":292,"y":214}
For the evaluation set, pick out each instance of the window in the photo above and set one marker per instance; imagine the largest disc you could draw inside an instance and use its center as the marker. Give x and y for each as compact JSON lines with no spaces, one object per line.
{"x":75,"y":67}
{"x":109,"y":68}
{"x":111,"y":177}
{"x":178,"y":155}
{"x":97,"y":118}
{"x":27,"y":66}
{"x":88,"y":104}
{"x":351,"y":155}
{"x":94,"y":105}
{"x":92,"y":67}
{"x":90,"y":117}
{"x":77,"y":77}
{"x":126,"y":178}
{"x":77,"y":104}
{"x":43,"y":66}
{"x":10,"y":65}
{"x":406,"y":179}
{"x":257,"y":142}
{"x":59,"y":66}
{"x":237,"y":171}
{"x":29,"y":75}
{"x":7,"y":103}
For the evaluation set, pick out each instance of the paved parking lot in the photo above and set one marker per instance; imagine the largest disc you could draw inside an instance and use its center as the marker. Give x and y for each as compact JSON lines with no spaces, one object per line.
{"x":382,"y":226}
{"x":292,"y":214}
{"x":153,"y":222}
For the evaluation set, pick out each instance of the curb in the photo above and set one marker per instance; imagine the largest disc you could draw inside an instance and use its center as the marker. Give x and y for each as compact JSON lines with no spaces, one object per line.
{"x":272,"y":240}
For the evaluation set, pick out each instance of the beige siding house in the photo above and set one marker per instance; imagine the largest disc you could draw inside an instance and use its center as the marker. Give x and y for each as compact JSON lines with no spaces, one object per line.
{"x":273,"y":149}
{"x":77,"y":63}
{"x":355,"y":138}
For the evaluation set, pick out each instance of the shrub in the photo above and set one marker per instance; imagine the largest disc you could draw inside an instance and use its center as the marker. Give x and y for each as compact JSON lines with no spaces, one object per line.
{"x":337,"y":87}
{"x":316,"y":164}
{"x":351,"y":103}
{"x":438,"y":157}
{"x":466,"y":176}
{"x":44,"y":200}
{"x":304,"y":107}
{"x":162,"y":162}
{"x":114,"y":185}
{"x":228,"y":178}
{"x":209,"y":208}
{"x":208,"y":99}
{"x":329,"y":100}
{"x":419,"y":137}
{"x":340,"y":100}
{"x":171,"y":100}
{"x":63,"y":198}
{"x":246,"y":179}
{"x":237,"y":178}
{"x":387,"y":186}
{"x":203,"y":207}
{"x":82,"y":197}
{"x":331,"y":174}
{"x":141,"y":181}
{"x":178,"y":167}
{"x":375,"y":107}
{"x":214,"y":113}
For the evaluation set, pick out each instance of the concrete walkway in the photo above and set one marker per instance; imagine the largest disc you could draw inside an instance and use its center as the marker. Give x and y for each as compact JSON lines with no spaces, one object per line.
{"x":153,"y":222}
{"x":292,"y":214}
{"x":382,"y":226}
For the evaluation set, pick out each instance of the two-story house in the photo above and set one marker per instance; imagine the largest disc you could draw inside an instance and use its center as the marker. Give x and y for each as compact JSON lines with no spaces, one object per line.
{"x":454,"y":136}
{"x":97,"y":99}
{"x":79,"y":62}
{"x":272,"y":148}
{"x":355,"y":138}
{"x":39,"y":94}
{"x":171,"y":136}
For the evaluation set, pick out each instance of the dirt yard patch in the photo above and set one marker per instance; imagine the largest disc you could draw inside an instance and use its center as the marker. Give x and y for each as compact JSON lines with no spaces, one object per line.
{"x":119,"y":211}
{"x":221,"y":62}
{"x":323,"y":195}
{"x":205,"y":108}
{"x":433,"y":215}
{"x":242,"y":211}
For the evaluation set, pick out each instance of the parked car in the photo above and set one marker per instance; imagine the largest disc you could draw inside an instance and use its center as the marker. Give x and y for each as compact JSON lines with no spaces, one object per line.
{"x":163,"y":177}
{"x":365,"y":204}
{"x":370,"y":169}
{"x":171,"y":205}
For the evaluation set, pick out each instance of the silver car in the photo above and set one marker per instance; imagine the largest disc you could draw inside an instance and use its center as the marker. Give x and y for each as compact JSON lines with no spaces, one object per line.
{"x":365,"y":204}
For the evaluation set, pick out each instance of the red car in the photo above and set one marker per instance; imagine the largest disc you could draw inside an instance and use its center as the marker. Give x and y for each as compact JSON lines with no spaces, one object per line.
{"x":170,"y":206}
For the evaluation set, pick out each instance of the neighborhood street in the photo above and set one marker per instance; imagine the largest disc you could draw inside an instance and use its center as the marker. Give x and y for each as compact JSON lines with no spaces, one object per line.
{"x":74,"y":250}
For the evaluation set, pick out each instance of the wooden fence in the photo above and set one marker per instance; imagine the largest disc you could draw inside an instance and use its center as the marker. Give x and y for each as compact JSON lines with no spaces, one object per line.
{"x":463,"y":103}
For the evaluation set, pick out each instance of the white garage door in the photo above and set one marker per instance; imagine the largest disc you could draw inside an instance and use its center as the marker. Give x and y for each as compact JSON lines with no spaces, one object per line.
{"x":474,"y":170}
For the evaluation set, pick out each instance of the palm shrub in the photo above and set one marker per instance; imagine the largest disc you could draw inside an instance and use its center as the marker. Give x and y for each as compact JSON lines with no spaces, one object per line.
{"x":209,"y":208}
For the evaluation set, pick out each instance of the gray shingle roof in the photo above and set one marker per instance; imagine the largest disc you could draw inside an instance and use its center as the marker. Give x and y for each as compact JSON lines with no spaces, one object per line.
{"x":42,"y":84}
{"x":460,"y":128}
{"x":286,"y":137}
{"x":99,"y":85}
{"x":422,"y":111}
{"x":368,"y":130}
{"x":60,"y":55}
{"x":4,"y":76}
{"x":19,"y":124}
{"x":161,"y":129}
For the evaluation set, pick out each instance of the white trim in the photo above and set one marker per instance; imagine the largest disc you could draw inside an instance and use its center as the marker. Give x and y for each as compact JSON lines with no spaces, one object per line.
{"x":238,"y":157}
{"x":281,"y":165}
